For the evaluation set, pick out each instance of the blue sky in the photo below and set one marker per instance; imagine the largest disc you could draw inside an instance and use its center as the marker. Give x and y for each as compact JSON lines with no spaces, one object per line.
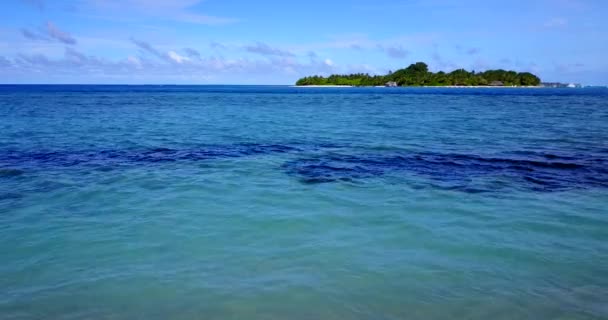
{"x":276,"y":42}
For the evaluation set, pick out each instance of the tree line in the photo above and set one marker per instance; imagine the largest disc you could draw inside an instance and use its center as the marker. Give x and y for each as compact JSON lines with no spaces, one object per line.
{"x":418,"y":74}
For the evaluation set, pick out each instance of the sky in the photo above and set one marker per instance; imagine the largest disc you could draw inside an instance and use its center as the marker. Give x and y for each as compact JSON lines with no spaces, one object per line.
{"x":277,"y":42}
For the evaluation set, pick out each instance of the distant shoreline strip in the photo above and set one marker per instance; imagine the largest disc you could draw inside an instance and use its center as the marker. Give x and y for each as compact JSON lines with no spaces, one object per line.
{"x":491,"y":87}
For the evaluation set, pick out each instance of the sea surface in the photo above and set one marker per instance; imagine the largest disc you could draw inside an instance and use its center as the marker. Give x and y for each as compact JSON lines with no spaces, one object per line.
{"x":277,"y":202}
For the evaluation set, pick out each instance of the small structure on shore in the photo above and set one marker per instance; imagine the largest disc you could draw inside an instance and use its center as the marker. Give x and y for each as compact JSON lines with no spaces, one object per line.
{"x":496,"y":84}
{"x":391,"y":84}
{"x":560,"y":85}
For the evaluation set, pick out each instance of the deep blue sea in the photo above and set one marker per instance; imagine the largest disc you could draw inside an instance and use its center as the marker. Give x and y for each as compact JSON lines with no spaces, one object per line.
{"x":276,"y":202}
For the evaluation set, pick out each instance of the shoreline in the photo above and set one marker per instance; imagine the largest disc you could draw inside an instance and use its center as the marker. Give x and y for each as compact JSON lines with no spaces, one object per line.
{"x":512,"y":87}
{"x":323,"y":86}
{"x":346,"y":86}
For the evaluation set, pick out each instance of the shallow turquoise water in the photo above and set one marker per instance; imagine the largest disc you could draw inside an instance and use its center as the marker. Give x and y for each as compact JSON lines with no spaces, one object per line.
{"x":123,"y":202}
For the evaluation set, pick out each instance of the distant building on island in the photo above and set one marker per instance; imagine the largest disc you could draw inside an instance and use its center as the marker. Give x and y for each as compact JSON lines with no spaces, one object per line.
{"x":497,"y":84}
{"x":391,"y":84}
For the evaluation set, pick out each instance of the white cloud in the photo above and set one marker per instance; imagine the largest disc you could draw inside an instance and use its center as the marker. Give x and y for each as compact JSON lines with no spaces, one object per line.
{"x":174,"y":67}
{"x":176,"y":57}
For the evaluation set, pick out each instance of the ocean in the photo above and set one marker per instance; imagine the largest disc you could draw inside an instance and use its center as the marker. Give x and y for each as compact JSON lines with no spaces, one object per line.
{"x":277,"y":202}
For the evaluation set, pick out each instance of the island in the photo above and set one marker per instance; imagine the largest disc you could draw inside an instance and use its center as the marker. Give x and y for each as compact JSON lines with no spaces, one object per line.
{"x":418,"y":75}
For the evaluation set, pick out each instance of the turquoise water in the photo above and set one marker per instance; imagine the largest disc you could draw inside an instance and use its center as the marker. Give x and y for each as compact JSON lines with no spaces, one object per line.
{"x":220,"y":202}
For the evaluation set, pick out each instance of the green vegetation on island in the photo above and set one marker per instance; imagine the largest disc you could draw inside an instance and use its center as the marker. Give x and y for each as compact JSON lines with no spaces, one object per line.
{"x":418,"y":74}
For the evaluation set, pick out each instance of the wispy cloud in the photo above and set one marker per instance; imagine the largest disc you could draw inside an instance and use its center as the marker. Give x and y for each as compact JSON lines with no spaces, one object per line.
{"x":148,"y":48}
{"x":74,"y":55}
{"x":38,"y":4}
{"x":577,"y":5}
{"x":505,"y":61}
{"x":469,"y":51}
{"x":33,"y":35}
{"x":556,"y":23}
{"x":176,"y":10}
{"x":74,"y":63}
{"x":266,"y":50}
{"x":54,"y":32}
{"x":473,"y":51}
{"x":440,"y":63}
{"x":159,"y":62}
{"x":35,"y":60}
{"x":396,"y":52}
{"x":192,"y":53}
{"x":480,"y":64}
{"x":363,"y":42}
{"x":217,"y":45}
{"x":4,"y":62}
{"x":203,"y":19}
{"x":49,"y":32}
{"x":169,"y":56}
{"x":568,"y":67}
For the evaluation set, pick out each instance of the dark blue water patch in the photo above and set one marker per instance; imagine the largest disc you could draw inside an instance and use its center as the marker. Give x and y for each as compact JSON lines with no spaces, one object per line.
{"x":539,"y":171}
{"x":10,"y":196}
{"x":17,"y":160}
{"x":9,"y":172}
{"x":543,"y":172}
